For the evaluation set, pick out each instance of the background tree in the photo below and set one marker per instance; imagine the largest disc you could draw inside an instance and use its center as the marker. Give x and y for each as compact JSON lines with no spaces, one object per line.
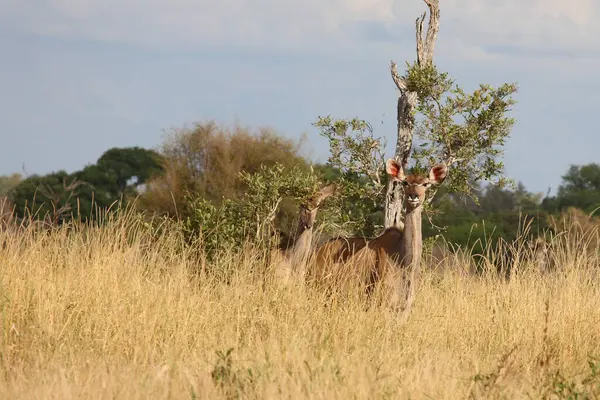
{"x":580,"y":188}
{"x":52,"y":197}
{"x":120,"y":174}
{"x":128,"y":168}
{"x":7,"y":182}
{"x":60,"y":196}
{"x":497,"y":213}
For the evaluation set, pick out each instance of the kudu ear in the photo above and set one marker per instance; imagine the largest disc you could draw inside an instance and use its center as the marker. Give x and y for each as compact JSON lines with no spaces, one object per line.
{"x":394,"y":169}
{"x":322,"y":194}
{"x":438,"y":173}
{"x":327,"y":191}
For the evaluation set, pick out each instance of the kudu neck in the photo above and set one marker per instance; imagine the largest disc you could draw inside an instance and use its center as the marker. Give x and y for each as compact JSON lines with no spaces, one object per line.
{"x":413,"y":237}
{"x":304,"y":234}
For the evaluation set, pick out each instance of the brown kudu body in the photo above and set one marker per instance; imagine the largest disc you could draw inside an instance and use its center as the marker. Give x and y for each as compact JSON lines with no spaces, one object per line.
{"x":386,"y":259}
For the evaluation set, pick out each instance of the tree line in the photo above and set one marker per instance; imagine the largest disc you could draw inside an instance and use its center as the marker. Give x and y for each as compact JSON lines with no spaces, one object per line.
{"x":230,"y":183}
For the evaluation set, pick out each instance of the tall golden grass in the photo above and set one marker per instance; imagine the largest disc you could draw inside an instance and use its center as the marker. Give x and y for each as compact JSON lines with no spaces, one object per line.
{"x":123,"y":311}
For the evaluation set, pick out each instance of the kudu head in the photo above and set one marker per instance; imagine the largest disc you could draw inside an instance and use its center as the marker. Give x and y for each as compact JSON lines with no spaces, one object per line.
{"x":415,"y":186}
{"x":308,"y":211}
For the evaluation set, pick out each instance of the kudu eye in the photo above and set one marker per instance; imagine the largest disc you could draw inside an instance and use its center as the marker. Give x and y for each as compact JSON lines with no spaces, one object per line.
{"x":404,"y":183}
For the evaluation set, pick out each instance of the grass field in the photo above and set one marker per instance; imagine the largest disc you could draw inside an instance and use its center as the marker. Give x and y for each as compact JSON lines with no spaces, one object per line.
{"x":120,"y":313}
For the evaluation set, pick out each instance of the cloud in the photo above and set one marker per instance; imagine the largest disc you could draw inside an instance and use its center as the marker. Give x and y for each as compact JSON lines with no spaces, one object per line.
{"x":527,"y":32}
{"x":321,"y":24}
{"x":533,"y":23}
{"x":271,"y":23}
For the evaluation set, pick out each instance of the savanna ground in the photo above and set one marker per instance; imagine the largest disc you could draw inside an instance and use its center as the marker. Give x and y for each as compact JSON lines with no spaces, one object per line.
{"x":126,"y":312}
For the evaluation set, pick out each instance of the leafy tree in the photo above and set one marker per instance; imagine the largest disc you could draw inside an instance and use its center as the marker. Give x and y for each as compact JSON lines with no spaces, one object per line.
{"x":118,"y":175}
{"x":7,"y":182}
{"x":496,"y":200}
{"x":580,"y":188}
{"x":128,"y":168}
{"x":59,"y":196}
{"x":357,"y":162}
{"x":527,"y":201}
{"x":52,"y":197}
{"x":465,"y":130}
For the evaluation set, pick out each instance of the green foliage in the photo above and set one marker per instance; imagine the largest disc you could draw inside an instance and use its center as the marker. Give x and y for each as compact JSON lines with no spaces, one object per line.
{"x":586,"y":387}
{"x":46,"y":197}
{"x":468,"y":130}
{"x":220,"y":227}
{"x":7,"y":182}
{"x":580,"y":188}
{"x":356,"y":156}
{"x":127,"y":168}
{"x":426,"y":81}
{"x":252,"y":217}
{"x":500,"y":213}
{"x":61,"y":196}
{"x":353,"y":148}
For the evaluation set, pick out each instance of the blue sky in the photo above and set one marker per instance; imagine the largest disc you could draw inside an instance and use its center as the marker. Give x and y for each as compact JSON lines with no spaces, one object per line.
{"x":79,"y":77}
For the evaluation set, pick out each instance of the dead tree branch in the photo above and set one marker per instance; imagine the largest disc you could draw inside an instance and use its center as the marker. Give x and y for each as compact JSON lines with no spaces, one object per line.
{"x":426,"y":45}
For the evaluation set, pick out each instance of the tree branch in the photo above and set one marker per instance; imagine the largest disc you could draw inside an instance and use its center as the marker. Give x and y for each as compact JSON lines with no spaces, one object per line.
{"x":419,"y":34}
{"x":400,"y":83}
{"x":75,"y":183}
{"x":406,"y":122}
{"x":426,"y":45}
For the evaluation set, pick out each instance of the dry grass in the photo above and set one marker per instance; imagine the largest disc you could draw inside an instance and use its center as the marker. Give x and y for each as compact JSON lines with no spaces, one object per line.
{"x":116,"y":312}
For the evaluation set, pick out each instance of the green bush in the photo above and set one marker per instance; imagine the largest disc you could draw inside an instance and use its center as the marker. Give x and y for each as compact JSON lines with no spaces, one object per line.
{"x":253,"y":217}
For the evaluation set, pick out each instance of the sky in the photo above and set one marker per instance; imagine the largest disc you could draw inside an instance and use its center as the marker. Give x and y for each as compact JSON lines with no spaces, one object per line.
{"x":78,"y":77}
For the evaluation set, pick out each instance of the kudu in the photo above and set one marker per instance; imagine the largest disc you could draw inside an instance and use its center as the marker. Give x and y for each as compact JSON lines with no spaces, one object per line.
{"x":385,"y":260}
{"x":295,"y":258}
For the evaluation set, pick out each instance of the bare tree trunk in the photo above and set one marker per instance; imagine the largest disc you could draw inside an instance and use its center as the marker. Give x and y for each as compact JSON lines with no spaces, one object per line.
{"x":407,"y":101}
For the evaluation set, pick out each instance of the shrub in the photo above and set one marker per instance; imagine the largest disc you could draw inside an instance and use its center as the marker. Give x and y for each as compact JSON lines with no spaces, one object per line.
{"x":253,"y":216}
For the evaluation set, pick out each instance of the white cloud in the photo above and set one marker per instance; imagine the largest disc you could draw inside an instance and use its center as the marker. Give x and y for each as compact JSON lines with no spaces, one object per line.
{"x":553,"y":25}
{"x":545,"y":24}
